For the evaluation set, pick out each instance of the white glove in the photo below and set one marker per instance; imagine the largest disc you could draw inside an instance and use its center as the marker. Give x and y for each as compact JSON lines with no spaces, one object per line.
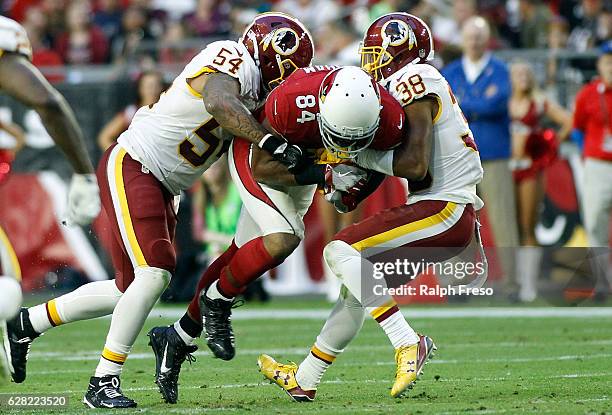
{"x":83,"y":200}
{"x":343,"y":202}
{"x":344,"y":178}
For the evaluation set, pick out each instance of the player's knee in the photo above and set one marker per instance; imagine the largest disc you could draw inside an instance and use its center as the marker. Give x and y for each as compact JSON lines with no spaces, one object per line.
{"x":281,"y":245}
{"x":162,"y":255}
{"x":336,"y":253}
{"x":156,"y":279}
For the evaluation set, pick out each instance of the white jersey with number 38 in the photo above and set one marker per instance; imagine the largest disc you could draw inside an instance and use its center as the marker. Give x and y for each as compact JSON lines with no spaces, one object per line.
{"x":454,"y":167}
{"x":13,"y":38}
{"x":176,"y":138}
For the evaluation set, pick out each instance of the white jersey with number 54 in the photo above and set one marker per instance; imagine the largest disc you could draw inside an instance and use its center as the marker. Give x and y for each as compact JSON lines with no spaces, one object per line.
{"x":454,"y":167}
{"x":176,"y":138}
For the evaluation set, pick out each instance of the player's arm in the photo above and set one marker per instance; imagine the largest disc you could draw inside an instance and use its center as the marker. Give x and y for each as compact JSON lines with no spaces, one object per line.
{"x":21,"y":80}
{"x":221,"y":95}
{"x":111,"y":131}
{"x":411,"y":159}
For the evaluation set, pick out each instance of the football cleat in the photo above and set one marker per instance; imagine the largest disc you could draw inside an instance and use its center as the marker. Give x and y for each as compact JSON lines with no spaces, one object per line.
{"x":410,"y":362}
{"x":18,"y":337}
{"x":284,"y":376}
{"x":218,"y":325}
{"x":105,"y":392}
{"x":170,"y":353}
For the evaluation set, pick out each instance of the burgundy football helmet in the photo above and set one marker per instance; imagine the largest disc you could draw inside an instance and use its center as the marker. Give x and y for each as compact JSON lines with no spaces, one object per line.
{"x":279,"y":44}
{"x":394,"y":41}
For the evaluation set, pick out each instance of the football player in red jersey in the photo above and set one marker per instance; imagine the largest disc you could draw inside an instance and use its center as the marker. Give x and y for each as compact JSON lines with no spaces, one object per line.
{"x":440,"y":160}
{"x":166,"y":149}
{"x":271,"y":224}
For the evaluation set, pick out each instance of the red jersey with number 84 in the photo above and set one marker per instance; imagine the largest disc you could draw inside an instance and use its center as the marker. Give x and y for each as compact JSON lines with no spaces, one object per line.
{"x":292,"y":108}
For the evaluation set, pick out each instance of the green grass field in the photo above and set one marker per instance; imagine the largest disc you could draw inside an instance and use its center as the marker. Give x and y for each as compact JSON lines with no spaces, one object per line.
{"x":484,"y":365}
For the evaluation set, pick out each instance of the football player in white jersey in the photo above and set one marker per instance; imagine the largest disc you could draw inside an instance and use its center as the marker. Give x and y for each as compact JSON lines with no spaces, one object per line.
{"x":166,"y":148}
{"x":24,"y":82}
{"x":441,"y":162}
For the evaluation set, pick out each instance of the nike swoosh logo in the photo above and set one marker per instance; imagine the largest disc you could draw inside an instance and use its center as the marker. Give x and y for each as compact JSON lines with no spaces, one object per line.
{"x":344,"y":174}
{"x":401,"y":124}
{"x":105,"y":383}
{"x":163,"y":363}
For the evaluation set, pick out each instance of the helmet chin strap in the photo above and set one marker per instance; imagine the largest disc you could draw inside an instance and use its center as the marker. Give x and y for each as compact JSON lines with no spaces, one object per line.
{"x":253,"y":39}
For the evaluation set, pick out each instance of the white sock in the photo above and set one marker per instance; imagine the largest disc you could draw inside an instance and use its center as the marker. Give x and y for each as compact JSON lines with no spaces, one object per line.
{"x":112,"y":359}
{"x":398,"y":330}
{"x":342,"y":325}
{"x":187,"y":339}
{"x":91,"y":300}
{"x":528,"y":259}
{"x":129,"y":316}
{"x":348,"y":265}
{"x":214,"y":294}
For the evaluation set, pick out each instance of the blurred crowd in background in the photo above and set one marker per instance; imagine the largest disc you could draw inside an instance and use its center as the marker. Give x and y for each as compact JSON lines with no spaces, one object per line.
{"x":104,"y":31}
{"x":517,"y":100}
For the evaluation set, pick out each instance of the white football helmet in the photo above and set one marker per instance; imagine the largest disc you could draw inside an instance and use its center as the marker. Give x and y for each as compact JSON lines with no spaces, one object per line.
{"x":349,"y":111}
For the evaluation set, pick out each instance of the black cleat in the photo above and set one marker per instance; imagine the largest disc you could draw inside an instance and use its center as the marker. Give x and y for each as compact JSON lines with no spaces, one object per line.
{"x":170,"y":353}
{"x":18,"y":337}
{"x":105,"y":392}
{"x":218,"y":325}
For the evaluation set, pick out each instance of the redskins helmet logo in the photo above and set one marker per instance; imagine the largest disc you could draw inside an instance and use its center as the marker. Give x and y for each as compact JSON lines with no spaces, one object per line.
{"x":397,"y":32}
{"x":284,"y":41}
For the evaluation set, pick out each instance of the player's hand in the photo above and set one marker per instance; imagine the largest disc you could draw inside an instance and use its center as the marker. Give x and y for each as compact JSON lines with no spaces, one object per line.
{"x":83,"y":200}
{"x":345,"y":178}
{"x":342,"y":201}
{"x":288,"y":154}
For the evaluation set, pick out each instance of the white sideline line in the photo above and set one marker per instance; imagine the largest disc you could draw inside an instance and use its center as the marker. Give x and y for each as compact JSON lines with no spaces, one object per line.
{"x":438,"y":313}
{"x":95,"y":355}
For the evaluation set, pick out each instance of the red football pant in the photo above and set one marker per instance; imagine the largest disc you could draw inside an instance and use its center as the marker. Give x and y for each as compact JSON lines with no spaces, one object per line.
{"x":140,"y":213}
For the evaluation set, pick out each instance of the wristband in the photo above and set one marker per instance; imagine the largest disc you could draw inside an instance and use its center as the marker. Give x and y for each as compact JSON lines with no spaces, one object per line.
{"x":312,"y":174}
{"x":272,"y":144}
{"x":380,"y":161}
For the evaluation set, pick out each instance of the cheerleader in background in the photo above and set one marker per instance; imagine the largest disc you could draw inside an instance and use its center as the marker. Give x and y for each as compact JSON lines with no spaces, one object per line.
{"x":534,"y":147}
{"x":149,"y":87}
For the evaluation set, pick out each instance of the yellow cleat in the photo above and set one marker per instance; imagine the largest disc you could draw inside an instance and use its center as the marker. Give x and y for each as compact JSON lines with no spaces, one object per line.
{"x":284,"y":376}
{"x":410,"y":362}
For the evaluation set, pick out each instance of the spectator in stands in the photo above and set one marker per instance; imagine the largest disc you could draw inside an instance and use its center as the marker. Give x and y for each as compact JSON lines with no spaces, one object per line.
{"x":172,"y":51}
{"x":593,"y":120}
{"x":534,"y":17}
{"x":149,"y":87}
{"x":210,"y":17}
{"x":108,"y":18}
{"x":584,"y":33}
{"x":337,"y":44}
{"x":533,"y":149}
{"x":134,"y":30}
{"x":35,"y":24}
{"x":82,"y":43}
{"x":481,"y":84}
{"x":313,"y":13}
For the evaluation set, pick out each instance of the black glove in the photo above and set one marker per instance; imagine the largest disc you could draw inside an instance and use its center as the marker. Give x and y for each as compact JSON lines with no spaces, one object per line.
{"x":288,"y":154}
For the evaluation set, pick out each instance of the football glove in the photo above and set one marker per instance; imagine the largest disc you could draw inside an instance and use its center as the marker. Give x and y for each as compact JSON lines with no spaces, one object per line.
{"x":288,"y":154}
{"x":342,"y":201}
{"x":83,"y":200}
{"x":345,"y":178}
